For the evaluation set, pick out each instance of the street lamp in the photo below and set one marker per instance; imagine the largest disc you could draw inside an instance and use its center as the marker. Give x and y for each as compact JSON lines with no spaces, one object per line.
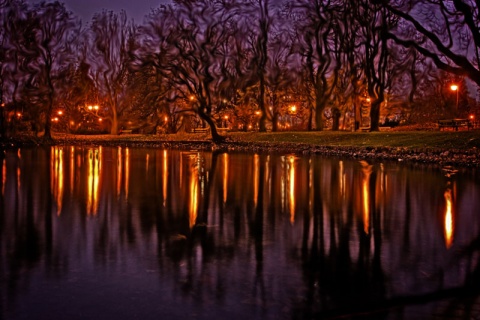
{"x":454,"y":87}
{"x":91,"y":108}
{"x":292,"y":110}
{"x":226,"y":121}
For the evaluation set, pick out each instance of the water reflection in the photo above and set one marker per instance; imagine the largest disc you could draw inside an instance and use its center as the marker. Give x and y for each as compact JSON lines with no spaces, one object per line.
{"x":256,"y":178}
{"x":4,"y":175}
{"x":119,"y":170}
{"x":94,"y":176}
{"x":193,"y":163}
{"x":165,"y":176}
{"x":57,"y":179}
{"x":291,"y":187}
{"x":366,"y":172}
{"x":159,"y":233}
{"x":225,"y":177}
{"x":449,"y":220}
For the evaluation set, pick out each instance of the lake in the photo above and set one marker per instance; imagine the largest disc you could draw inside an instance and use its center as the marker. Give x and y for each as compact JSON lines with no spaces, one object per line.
{"x":132,"y":233}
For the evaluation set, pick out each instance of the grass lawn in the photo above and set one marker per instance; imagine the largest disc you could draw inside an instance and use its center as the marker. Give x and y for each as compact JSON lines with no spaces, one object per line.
{"x":461,"y":140}
{"x":407,"y":139}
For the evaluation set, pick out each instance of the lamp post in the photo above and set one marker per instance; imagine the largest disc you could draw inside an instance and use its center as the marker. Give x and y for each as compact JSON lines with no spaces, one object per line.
{"x":454,"y":87}
{"x":91,"y":108}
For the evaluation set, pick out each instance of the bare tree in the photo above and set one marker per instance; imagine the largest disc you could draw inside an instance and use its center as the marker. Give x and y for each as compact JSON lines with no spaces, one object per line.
{"x":317,"y":25}
{"x":188,"y":48}
{"x":447,"y":32}
{"x":113,"y":38}
{"x":280,"y":74}
{"x":14,"y":18}
{"x":150,"y":101}
{"x":374,"y":23}
{"x":77,"y":94}
{"x":353,"y":58}
{"x":4,"y":8}
{"x":42,"y":40}
{"x":260,"y":49}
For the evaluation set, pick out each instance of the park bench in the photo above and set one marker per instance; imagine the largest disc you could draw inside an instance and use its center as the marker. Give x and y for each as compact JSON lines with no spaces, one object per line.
{"x":201,"y":130}
{"x":125,"y":131}
{"x":454,"y":124}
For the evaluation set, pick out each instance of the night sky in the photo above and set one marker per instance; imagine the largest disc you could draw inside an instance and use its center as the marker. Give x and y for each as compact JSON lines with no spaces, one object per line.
{"x":135,"y":9}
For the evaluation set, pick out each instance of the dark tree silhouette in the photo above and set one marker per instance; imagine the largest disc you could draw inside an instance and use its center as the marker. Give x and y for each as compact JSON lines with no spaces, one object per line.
{"x":149,"y":102}
{"x":280,"y":76}
{"x":260,"y":49}
{"x":374,"y":21}
{"x":187,"y":41}
{"x":214,"y":58}
{"x":40,"y":46}
{"x":113,"y":38}
{"x":3,"y":54}
{"x":318,"y":32}
{"x":446,"y":32}
{"x":78,"y":93}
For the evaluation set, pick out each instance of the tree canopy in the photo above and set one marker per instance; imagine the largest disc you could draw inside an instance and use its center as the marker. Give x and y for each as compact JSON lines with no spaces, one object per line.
{"x":237,"y":65}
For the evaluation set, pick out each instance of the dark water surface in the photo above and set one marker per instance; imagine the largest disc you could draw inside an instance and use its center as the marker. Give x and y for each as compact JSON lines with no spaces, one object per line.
{"x":119,"y":233}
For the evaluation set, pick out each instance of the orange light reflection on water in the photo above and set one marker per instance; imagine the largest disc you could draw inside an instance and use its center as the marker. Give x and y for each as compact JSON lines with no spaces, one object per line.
{"x":366,"y":171}
{"x":19,"y":172}
{"x":119,"y":170}
{"x":72,"y":167}
{"x":165,"y":176}
{"x":225,"y":177}
{"x":256,"y":178}
{"x":291,"y":187}
{"x":193,"y":190}
{"x":127,"y":171}
{"x":4,"y":175}
{"x":57,"y":181}
{"x":342,"y":179}
{"x":448,"y":220}
{"x":94,"y":174}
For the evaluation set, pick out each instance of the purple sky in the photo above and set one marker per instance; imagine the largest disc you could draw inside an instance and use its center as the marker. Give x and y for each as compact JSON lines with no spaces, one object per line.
{"x":135,"y":9}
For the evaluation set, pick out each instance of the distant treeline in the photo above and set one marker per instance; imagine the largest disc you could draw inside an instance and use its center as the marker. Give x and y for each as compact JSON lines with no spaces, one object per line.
{"x":237,"y":64}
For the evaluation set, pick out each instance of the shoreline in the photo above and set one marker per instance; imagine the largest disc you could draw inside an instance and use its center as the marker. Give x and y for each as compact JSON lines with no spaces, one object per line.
{"x":462,"y":158}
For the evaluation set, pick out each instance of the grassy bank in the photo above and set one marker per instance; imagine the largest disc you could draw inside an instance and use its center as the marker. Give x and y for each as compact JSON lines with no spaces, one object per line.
{"x":448,"y":148}
{"x":462,"y":140}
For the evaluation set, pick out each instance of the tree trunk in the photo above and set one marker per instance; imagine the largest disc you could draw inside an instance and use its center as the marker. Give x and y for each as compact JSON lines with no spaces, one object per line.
{"x":335,"y":119}
{"x":216,"y":137}
{"x":261,"y":104}
{"x":310,"y":118}
{"x":375,"y":114}
{"x":114,"y":127}
{"x":319,"y":106}
{"x":275,"y":122}
{"x":47,"y":136}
